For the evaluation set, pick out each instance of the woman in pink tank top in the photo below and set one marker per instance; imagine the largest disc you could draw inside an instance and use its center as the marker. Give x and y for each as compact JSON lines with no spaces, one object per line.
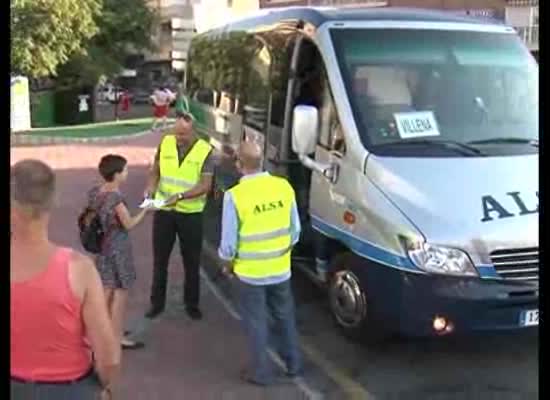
{"x":56,"y":303}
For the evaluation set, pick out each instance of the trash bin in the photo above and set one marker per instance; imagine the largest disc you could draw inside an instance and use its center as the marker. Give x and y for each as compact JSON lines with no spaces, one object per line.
{"x":43,"y":109}
{"x":74,"y":106}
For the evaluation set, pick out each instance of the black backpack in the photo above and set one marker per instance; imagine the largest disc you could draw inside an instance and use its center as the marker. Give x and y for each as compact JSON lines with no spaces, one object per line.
{"x":91,"y":229}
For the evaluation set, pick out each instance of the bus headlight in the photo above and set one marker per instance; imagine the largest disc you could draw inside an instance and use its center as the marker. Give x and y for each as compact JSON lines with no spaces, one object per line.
{"x":441,"y":260}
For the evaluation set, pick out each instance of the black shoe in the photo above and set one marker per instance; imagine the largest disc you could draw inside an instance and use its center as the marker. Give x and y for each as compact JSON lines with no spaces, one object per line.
{"x":246,"y":377}
{"x":153,"y":312}
{"x":194,"y":313}
{"x":294,"y":375}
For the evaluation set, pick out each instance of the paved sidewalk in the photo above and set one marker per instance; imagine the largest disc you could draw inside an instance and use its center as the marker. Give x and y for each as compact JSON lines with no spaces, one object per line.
{"x":183,"y":359}
{"x":35,"y":139}
{"x":17,"y":140}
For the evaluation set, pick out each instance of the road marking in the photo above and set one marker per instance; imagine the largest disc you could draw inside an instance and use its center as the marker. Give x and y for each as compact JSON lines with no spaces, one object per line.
{"x":219,"y":295}
{"x":309,"y":392}
{"x":353,"y":389}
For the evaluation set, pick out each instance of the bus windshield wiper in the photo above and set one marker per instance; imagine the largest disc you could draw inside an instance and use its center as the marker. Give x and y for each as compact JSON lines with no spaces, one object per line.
{"x":506,"y":140}
{"x":463,"y":148}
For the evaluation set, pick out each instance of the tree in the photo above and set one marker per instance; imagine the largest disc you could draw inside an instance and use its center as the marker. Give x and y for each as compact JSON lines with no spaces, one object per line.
{"x":46,"y":33}
{"x":125,"y":28}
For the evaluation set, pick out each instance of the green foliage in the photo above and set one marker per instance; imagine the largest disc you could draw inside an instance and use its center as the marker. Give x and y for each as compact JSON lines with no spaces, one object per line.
{"x":46,"y":33}
{"x":77,"y":40}
{"x":125,"y":27}
{"x":222,"y":60}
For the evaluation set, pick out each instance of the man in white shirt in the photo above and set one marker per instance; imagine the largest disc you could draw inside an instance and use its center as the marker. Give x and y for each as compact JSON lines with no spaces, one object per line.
{"x":161,"y":97}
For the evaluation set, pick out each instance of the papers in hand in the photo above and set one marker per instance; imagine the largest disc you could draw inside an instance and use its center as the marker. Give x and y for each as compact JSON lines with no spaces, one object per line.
{"x":150,"y":203}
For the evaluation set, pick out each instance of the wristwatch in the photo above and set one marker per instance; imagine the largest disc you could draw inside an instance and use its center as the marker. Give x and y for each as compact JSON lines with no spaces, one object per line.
{"x":180,"y":196}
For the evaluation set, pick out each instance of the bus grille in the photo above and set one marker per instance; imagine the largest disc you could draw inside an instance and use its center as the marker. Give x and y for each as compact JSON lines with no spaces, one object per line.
{"x":517,"y":264}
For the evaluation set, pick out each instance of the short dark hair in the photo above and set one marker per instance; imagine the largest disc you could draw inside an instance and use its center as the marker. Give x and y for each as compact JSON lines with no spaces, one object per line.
{"x":33,"y":186}
{"x":186,"y":115}
{"x":110,"y":165}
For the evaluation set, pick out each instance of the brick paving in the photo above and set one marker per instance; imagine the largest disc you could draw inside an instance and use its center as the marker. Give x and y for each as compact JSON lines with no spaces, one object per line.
{"x":183,"y":359}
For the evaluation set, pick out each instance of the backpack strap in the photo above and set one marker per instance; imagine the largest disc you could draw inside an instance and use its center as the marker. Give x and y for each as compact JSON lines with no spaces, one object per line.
{"x":110,"y":228}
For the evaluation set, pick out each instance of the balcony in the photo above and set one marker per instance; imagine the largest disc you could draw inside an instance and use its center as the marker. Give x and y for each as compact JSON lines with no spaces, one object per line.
{"x":182,"y":36}
{"x":529,"y":35}
{"x":522,"y":3}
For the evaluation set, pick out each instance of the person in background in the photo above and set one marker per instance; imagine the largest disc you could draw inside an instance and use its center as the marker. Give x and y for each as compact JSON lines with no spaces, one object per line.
{"x":125,"y":101}
{"x":56,"y":303}
{"x":260,"y":225}
{"x":115,"y":263}
{"x":181,"y":176}
{"x":161,"y":97}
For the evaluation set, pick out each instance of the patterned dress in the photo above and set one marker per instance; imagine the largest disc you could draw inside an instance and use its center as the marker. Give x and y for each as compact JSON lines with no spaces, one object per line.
{"x":115,"y":263}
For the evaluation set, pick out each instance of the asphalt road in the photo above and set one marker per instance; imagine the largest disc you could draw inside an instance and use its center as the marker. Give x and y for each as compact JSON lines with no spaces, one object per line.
{"x":500,"y":367}
{"x":486,"y":367}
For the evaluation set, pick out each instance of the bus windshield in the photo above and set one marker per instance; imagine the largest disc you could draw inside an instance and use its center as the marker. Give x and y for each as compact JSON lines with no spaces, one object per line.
{"x":410,"y":88}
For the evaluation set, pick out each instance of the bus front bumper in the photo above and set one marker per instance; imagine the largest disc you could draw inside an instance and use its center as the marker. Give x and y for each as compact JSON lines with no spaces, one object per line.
{"x":427,"y":305}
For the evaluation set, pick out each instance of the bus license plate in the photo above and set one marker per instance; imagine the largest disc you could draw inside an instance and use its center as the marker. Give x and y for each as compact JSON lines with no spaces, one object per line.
{"x":529,"y":318}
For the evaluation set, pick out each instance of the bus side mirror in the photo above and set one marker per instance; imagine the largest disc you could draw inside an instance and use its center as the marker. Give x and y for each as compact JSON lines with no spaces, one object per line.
{"x":304,"y":141}
{"x":304,"y":129}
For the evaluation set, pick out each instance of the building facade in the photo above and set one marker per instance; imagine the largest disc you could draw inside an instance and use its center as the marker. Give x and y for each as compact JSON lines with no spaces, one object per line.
{"x":172,"y":36}
{"x":492,"y":7}
{"x":179,"y":20}
{"x":523,"y":15}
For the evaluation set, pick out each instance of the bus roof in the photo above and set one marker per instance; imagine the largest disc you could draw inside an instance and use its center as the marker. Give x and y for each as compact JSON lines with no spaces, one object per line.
{"x":319,"y":15}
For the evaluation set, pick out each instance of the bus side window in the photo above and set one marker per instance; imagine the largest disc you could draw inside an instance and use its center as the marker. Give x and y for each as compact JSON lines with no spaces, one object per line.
{"x":338,"y":143}
{"x":331,"y":135}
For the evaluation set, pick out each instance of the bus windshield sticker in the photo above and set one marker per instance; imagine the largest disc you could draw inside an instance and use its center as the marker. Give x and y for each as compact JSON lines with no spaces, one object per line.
{"x":416,"y":124}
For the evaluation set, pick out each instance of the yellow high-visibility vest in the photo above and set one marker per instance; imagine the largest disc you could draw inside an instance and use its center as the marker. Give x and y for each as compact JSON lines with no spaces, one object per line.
{"x":176,"y":178}
{"x":264,"y":206}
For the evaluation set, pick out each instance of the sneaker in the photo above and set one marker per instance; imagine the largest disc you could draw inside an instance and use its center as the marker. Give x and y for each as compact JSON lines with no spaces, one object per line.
{"x":194,"y":313}
{"x":131,"y":344}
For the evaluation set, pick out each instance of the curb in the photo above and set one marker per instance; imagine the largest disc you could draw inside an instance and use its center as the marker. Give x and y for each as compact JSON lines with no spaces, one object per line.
{"x":38,"y":140}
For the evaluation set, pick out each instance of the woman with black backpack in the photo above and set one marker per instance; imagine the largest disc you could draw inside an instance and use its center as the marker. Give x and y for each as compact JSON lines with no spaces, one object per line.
{"x":107,"y":235}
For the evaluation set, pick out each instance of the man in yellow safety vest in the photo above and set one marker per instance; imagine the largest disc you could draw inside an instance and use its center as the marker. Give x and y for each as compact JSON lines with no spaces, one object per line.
{"x":181,"y":176}
{"x":260,"y":225}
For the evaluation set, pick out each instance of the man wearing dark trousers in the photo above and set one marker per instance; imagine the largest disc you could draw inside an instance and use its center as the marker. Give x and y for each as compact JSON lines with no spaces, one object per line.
{"x":181,"y":176}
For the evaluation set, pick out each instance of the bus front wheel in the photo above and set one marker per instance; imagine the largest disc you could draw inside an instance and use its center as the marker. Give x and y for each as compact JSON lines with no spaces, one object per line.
{"x":349,"y":302}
